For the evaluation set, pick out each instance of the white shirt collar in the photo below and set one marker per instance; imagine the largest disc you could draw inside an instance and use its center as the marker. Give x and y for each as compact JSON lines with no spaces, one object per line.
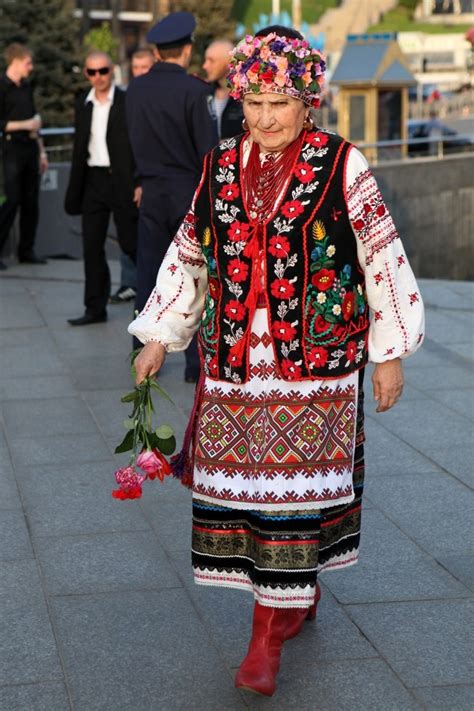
{"x":92,"y":97}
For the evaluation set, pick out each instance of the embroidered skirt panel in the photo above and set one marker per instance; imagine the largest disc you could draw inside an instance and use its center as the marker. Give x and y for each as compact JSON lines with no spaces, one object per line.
{"x":275,"y":444}
{"x":277,"y":554}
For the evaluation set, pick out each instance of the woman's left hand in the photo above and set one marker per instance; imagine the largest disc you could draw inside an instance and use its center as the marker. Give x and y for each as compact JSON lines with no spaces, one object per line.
{"x":387,"y":380}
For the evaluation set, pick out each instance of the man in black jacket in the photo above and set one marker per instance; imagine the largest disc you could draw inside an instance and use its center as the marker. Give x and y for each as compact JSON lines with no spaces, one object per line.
{"x":22,"y":152}
{"x":228,"y":112}
{"x":101,"y":181}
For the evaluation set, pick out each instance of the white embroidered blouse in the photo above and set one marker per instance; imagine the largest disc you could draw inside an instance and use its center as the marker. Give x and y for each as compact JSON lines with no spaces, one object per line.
{"x":173,"y":311}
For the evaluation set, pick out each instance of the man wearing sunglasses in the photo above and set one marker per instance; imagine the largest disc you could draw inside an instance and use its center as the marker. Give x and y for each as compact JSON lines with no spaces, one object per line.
{"x":101,"y":181}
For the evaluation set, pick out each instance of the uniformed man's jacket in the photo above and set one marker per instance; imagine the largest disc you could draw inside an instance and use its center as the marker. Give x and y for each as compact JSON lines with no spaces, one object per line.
{"x":122,"y":165}
{"x":304,"y":256}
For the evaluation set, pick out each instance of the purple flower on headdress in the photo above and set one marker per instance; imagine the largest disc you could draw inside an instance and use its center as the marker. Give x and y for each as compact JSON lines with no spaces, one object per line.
{"x":277,"y":46}
{"x":297,"y":70}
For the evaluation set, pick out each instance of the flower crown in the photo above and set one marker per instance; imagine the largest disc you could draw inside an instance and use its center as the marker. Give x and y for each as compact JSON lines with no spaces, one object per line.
{"x":278,"y":65}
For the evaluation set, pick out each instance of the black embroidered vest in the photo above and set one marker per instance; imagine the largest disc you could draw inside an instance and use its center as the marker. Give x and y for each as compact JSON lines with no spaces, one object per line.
{"x":313,"y":285}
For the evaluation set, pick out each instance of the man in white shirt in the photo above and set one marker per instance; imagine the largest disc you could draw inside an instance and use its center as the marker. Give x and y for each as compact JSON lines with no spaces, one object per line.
{"x":101,"y":182}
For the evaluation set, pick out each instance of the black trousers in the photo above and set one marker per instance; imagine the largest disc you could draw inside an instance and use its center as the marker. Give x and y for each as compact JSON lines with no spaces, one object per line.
{"x":163,"y":207}
{"x":99,"y":202}
{"x":21,"y":187}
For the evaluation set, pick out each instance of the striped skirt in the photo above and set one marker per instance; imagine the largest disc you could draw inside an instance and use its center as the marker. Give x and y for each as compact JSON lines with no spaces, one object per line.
{"x":278,"y":554}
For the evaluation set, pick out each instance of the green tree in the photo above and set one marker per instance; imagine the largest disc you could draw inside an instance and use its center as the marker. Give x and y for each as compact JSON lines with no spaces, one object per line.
{"x":49,"y":29}
{"x":103,"y":39}
{"x":214,"y":21}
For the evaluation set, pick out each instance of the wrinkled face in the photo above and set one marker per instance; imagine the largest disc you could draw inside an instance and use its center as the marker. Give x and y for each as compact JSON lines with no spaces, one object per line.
{"x":101,"y":81}
{"x":24,"y":66}
{"x":142,"y":65}
{"x":216,"y":62}
{"x":274,"y":120}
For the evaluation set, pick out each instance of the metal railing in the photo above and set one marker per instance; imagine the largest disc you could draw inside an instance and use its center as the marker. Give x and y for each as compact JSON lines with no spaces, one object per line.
{"x":429,"y":146}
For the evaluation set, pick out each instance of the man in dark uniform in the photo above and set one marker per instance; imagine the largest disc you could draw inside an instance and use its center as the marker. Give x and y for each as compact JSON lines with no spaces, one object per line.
{"x":228,"y":112}
{"x":23,"y":153}
{"x":171,"y":130}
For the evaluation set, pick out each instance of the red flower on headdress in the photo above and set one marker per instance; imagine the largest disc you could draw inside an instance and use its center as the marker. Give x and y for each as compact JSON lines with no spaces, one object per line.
{"x":304,"y":172}
{"x":290,"y":370}
{"x":229,"y":192}
{"x":324,"y":279}
{"x":292,"y":208}
{"x":235,"y":310}
{"x":267,"y":76}
{"x":238,"y":231}
{"x":283,"y":331}
{"x":278,"y":246}
{"x":318,"y":357}
{"x":282,"y":289}
{"x":228,"y":157}
{"x":237,"y":270}
{"x":348,"y":305}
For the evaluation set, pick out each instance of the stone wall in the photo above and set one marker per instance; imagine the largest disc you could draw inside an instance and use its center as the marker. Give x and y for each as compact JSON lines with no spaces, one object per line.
{"x":432,"y":203}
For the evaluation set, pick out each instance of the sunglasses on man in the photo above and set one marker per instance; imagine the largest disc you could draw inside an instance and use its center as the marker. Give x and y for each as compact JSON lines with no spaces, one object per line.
{"x":102,"y":71}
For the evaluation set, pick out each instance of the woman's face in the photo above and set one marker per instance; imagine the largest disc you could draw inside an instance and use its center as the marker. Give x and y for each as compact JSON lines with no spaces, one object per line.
{"x":274,"y":120}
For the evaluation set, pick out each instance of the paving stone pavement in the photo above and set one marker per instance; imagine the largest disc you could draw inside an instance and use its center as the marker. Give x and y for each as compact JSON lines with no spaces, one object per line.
{"x":98,"y":610}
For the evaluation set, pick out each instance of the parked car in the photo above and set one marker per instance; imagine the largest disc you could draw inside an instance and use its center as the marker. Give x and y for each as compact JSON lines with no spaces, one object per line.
{"x":433,"y":127}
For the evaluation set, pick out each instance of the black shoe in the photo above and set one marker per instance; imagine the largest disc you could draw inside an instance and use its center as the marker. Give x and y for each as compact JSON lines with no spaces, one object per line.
{"x":191,"y":375}
{"x":3,"y":266}
{"x":125,"y":293}
{"x":87,"y":319}
{"x":31,"y":259}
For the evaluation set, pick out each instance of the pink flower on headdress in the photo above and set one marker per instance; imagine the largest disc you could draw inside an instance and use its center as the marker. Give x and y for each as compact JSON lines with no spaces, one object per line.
{"x":265,"y":53}
{"x":281,"y":63}
{"x":280,"y":79}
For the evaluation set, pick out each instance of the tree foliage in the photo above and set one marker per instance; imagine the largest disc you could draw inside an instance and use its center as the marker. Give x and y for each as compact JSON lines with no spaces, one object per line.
{"x":214,"y":22}
{"x":102,"y":38}
{"x":49,"y":29}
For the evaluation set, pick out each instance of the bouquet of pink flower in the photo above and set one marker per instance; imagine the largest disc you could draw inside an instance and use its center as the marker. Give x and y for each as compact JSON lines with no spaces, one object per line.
{"x":148,"y":445}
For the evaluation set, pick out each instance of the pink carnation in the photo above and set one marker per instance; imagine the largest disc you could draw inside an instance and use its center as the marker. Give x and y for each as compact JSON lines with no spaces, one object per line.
{"x":129,"y":482}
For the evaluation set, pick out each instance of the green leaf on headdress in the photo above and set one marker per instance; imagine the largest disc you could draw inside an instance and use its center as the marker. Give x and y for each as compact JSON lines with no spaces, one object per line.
{"x":299,"y":84}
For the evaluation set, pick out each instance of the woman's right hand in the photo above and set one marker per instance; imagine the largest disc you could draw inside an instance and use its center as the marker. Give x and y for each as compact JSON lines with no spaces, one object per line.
{"x":149,"y":360}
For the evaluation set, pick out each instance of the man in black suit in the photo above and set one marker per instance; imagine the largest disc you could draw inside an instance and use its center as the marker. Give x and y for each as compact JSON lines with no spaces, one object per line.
{"x":101,"y":181}
{"x":228,"y":112}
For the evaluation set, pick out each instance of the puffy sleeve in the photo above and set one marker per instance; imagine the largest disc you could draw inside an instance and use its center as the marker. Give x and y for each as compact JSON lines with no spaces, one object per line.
{"x":396,"y":308}
{"x":173,"y":312}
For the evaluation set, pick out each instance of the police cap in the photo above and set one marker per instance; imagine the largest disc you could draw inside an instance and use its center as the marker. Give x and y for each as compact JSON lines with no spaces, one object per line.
{"x":174,"y":30}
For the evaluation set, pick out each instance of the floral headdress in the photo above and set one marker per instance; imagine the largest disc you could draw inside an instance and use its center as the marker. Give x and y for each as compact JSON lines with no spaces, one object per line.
{"x":278,"y":65}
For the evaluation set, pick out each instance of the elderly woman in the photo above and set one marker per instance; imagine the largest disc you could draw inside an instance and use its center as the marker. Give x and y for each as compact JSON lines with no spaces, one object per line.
{"x":289,"y":266}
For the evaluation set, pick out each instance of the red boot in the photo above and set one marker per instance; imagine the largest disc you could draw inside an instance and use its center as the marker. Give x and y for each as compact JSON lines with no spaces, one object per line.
{"x":260,"y":667}
{"x":296,"y":617}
